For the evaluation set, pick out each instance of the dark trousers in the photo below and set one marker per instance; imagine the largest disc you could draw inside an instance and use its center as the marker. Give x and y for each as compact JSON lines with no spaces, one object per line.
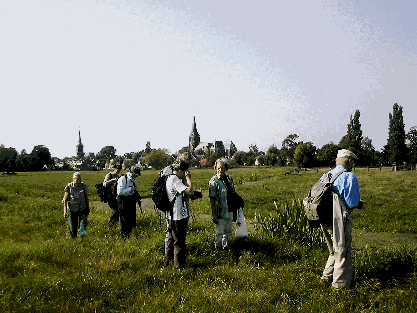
{"x":114,"y":217}
{"x":75,"y":220}
{"x":127,"y":213}
{"x":176,"y":249}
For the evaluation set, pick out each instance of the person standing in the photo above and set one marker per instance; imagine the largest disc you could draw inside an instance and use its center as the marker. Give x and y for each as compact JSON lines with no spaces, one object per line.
{"x":179,"y":188}
{"x":76,"y":206}
{"x":127,"y":197}
{"x":346,"y":196}
{"x":221,"y":188}
{"x":111,"y":180}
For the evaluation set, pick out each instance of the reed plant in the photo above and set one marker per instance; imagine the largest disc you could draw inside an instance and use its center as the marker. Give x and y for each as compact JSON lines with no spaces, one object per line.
{"x":288,"y":221}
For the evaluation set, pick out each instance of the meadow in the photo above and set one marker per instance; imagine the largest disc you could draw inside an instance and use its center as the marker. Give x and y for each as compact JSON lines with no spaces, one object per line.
{"x":275,"y":270}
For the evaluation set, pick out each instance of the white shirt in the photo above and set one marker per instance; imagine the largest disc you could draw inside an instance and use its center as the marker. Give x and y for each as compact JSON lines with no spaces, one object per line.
{"x":181,"y":209}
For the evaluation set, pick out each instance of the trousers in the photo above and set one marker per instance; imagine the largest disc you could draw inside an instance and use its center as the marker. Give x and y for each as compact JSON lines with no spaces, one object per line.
{"x":127,"y":213}
{"x":339,"y":266}
{"x":75,"y":220}
{"x":224,"y":229}
{"x":175,"y":247}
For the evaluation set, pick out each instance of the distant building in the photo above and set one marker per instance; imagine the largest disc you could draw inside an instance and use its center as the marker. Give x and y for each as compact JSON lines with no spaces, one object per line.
{"x":194,"y":137}
{"x":80,"y":146}
{"x":194,"y":142}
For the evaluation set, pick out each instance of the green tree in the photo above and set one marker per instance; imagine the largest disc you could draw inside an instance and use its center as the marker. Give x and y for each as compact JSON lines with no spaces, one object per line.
{"x":412,"y":144}
{"x":22,"y":161}
{"x":239,"y":158}
{"x":107,"y":153}
{"x":148,"y":147}
{"x":39,"y":157}
{"x":157,"y":158}
{"x":288,"y":147}
{"x":184,"y":150}
{"x":212,"y":156}
{"x":305,"y":154}
{"x":353,"y":139}
{"x":273,"y":156}
{"x":326,"y":155}
{"x":262,"y":159}
{"x":252,"y":154}
{"x":396,"y":149}
{"x":8,"y":159}
{"x":368,"y":152}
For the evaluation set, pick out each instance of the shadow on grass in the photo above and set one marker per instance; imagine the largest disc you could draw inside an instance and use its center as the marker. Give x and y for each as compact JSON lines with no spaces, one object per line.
{"x":388,"y":267}
{"x":255,"y":252}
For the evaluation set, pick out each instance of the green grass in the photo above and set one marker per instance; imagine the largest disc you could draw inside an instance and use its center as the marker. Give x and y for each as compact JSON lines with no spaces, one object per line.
{"x":43,"y":270}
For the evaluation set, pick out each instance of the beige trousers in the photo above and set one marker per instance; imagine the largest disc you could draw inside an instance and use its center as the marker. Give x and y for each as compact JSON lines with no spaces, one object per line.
{"x":339,"y":266}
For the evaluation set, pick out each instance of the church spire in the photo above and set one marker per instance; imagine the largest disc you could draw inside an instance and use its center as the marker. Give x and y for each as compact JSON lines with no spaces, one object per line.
{"x":80,"y":146}
{"x":194,"y":137}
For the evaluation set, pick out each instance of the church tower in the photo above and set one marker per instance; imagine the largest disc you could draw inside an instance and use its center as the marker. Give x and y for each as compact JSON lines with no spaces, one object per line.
{"x":194,"y":137}
{"x":80,"y":146}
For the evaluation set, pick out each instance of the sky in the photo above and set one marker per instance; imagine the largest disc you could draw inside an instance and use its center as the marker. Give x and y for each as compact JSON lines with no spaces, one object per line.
{"x":127,"y":72}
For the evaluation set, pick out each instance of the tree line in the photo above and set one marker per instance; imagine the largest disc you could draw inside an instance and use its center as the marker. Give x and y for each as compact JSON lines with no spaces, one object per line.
{"x":401,"y":148}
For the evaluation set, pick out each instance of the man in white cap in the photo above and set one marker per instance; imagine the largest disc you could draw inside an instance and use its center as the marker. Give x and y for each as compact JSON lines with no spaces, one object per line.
{"x":346,"y":197}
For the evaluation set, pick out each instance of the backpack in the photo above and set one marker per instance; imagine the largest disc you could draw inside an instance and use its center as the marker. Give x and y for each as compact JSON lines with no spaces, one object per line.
{"x":160,"y":195}
{"x":318,"y":205}
{"x":106,"y":193}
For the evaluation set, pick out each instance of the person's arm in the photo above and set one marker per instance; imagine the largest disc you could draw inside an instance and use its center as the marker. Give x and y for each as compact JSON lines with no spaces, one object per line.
{"x":107,"y":179}
{"x":189,"y":190}
{"x":213,"y":210}
{"x":87,"y":203}
{"x":65,"y":201}
{"x":212,"y":195}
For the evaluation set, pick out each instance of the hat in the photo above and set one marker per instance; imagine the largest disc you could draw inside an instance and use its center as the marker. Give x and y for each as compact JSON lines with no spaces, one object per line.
{"x":346,"y":154}
{"x":76,"y":174}
{"x":180,"y":165}
{"x":135,"y":170}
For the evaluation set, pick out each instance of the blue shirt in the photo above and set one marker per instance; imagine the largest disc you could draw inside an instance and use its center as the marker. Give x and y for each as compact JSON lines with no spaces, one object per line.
{"x":347,"y":186}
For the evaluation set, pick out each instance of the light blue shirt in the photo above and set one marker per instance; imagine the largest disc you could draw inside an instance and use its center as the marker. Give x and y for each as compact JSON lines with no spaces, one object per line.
{"x":125,"y":185}
{"x":347,"y":186}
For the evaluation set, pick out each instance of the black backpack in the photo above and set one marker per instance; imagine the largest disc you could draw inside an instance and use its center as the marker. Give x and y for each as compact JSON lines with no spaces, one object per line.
{"x":318,"y":204}
{"x":106,"y":193}
{"x":160,"y":196}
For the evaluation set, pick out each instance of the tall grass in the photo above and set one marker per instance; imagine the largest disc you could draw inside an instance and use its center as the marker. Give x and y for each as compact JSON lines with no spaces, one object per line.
{"x":288,"y":221}
{"x":275,"y":270}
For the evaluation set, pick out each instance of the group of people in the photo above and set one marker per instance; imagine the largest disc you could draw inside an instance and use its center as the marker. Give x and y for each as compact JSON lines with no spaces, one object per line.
{"x":224,"y":200}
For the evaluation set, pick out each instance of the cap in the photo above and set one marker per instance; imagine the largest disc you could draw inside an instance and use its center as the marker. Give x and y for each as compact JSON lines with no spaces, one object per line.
{"x":135,"y":170}
{"x":346,"y":154}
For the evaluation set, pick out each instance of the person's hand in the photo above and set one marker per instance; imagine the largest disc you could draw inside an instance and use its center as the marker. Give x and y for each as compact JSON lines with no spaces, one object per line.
{"x":188,"y":174}
{"x":66,"y":214}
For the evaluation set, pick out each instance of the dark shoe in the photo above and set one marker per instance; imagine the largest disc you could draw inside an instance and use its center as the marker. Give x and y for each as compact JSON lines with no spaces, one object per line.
{"x":325,"y":281}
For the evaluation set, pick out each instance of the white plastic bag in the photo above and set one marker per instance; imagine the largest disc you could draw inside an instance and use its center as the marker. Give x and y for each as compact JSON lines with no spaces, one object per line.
{"x":241,"y":229}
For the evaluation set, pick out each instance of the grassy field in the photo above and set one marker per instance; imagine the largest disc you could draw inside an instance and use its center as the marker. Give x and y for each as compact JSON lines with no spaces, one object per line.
{"x":43,"y":270}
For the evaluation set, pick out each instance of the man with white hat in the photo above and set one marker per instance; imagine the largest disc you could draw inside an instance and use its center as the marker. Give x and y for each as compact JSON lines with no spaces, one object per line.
{"x":346,"y":197}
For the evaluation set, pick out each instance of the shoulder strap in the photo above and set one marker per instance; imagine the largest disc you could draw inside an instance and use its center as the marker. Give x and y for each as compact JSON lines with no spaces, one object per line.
{"x":336,"y":176}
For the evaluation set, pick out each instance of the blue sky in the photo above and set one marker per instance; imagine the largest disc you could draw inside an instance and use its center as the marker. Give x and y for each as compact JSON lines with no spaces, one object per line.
{"x":128,"y":72}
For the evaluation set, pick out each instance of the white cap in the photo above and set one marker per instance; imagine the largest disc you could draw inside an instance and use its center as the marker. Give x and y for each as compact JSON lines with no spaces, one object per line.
{"x":346,"y":154}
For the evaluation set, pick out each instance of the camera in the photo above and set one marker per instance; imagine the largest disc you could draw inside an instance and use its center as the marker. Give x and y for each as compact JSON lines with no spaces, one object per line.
{"x":197,"y":195}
